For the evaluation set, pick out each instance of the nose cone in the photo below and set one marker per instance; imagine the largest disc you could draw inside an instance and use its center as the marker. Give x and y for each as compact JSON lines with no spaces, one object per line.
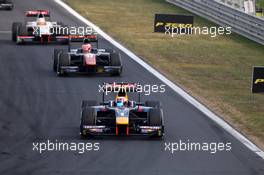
{"x":122,"y":120}
{"x":89,"y":59}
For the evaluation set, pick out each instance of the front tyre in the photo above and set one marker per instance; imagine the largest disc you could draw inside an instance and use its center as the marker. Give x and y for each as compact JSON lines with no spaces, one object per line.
{"x":88,"y":118}
{"x":63,"y":61}
{"x":156,"y":119}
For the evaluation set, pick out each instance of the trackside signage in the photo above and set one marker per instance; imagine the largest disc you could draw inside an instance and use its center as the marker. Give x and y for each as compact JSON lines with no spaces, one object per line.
{"x":166,"y":21}
{"x":258,"y":80}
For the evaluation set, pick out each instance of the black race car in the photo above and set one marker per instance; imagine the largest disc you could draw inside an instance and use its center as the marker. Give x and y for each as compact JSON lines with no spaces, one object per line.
{"x":6,"y":5}
{"x":86,"y":59}
{"x":121,"y":116}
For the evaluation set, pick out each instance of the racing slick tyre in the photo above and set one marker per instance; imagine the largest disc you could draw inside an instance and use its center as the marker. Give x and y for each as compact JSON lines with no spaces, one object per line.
{"x":15,"y":29}
{"x":56,"y":54}
{"x":156,"y":119}
{"x":64,"y":60}
{"x":115,"y":60}
{"x":88,"y":103}
{"x":88,"y":118}
{"x":154,"y":104}
{"x":22,"y":31}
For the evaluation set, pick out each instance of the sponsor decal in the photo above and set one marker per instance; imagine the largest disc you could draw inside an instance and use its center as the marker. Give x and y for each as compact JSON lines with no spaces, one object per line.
{"x":258,"y":80}
{"x":163,"y":21}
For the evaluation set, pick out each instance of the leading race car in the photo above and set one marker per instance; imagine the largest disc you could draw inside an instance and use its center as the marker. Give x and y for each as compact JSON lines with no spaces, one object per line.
{"x":38,"y":28}
{"x":121,"y":116}
{"x":87,"y":59}
{"x":6,"y":5}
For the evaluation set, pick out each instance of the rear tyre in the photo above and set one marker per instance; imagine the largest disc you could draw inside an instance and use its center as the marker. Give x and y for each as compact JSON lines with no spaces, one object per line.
{"x":115,"y":60}
{"x":154,"y":104}
{"x":88,"y":118}
{"x":63,"y":61}
{"x":89,"y":103}
{"x":156,"y":119}
{"x":56,"y":55}
{"x":15,"y":29}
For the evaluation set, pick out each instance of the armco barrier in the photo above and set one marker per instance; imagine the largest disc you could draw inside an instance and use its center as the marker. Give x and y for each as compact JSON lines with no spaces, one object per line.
{"x":246,"y":25}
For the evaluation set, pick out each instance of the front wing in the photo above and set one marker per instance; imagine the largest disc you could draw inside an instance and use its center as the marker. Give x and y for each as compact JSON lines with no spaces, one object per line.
{"x":99,"y":69}
{"x":44,"y":39}
{"x":48,"y":38}
{"x":110,"y":131}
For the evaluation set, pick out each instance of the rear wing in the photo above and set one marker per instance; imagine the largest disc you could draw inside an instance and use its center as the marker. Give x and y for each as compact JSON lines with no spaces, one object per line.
{"x":35,"y":13}
{"x":80,"y":38}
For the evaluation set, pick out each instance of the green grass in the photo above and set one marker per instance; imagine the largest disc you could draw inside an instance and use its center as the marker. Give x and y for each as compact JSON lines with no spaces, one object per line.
{"x":260,"y":3}
{"x":217,"y":71}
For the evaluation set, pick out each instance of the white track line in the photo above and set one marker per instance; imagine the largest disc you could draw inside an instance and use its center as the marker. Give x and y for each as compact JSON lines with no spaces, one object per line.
{"x":176,"y":88}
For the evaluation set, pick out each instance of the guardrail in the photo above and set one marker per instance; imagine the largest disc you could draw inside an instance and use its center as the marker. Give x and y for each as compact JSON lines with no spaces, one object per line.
{"x":246,"y":25}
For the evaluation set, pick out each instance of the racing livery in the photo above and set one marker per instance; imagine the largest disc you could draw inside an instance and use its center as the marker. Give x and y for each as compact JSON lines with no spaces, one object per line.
{"x":87,"y":59}
{"x":6,"y":5}
{"x":39,"y":29}
{"x":121,"y":116}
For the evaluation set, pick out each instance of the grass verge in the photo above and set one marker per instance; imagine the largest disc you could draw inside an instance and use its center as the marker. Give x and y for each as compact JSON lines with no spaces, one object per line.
{"x":217,"y":71}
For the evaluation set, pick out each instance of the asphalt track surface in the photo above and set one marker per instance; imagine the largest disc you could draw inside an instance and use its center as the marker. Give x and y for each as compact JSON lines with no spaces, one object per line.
{"x":36,"y":105}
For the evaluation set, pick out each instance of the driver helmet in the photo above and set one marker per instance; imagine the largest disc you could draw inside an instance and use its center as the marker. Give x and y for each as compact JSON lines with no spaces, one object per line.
{"x":41,"y":21}
{"x":86,"y":48}
{"x":120,"y":101}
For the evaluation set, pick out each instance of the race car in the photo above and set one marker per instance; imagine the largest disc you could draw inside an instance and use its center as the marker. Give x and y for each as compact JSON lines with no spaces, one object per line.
{"x":39,"y":29}
{"x":6,"y":5}
{"x":87,"y":59}
{"x":121,"y":116}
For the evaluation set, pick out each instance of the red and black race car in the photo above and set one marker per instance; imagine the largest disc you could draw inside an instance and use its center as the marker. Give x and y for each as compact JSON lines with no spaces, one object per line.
{"x":86,"y":59}
{"x":38,"y":28}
